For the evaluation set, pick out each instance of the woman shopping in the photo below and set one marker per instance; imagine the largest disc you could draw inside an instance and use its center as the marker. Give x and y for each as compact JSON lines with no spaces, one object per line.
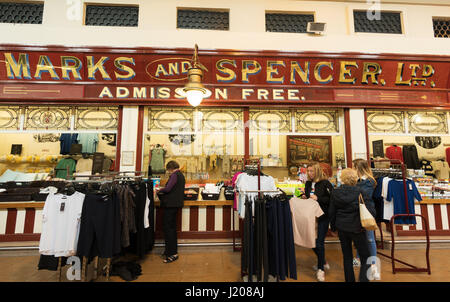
{"x":345,"y":218}
{"x":319,"y":188}
{"x":172,"y":199}
{"x":367,"y":183}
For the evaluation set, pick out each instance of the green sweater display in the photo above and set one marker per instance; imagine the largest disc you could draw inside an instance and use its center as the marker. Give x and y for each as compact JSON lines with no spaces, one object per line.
{"x":63,"y":164}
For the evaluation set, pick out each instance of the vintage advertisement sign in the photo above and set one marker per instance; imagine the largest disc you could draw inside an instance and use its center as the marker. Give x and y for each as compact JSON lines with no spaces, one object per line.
{"x":149,"y":75}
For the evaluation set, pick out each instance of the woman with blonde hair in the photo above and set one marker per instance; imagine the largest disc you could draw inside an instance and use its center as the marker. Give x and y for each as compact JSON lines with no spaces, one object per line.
{"x":345,"y":218}
{"x":319,"y":188}
{"x":367,"y":183}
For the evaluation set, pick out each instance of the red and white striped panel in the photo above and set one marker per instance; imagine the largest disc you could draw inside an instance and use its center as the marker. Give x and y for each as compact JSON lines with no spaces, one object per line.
{"x":202,"y":222}
{"x":438,"y":218}
{"x":20,"y":224}
{"x":195,"y":222}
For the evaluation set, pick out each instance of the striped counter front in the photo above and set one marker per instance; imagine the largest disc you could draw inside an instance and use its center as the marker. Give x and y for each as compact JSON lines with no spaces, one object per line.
{"x":22,"y":221}
{"x":438,"y":216}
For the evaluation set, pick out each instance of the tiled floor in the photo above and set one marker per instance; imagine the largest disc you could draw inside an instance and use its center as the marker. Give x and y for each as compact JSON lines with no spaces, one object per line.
{"x":220,"y":264}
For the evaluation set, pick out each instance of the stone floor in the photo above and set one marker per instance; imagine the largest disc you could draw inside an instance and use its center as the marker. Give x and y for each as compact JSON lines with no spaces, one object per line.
{"x":221,"y":264}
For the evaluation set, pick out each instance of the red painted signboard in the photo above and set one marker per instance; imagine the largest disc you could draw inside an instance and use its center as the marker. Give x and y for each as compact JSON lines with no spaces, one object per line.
{"x":147,"y":75}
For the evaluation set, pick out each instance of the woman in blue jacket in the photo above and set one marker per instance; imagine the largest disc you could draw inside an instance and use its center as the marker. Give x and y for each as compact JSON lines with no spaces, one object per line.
{"x":367,"y":183}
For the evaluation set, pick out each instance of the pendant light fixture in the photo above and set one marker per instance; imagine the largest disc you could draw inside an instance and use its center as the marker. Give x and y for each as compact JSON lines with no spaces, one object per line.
{"x":194,"y":90}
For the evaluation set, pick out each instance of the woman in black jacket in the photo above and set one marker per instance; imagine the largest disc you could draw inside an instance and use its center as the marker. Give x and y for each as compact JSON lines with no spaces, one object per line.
{"x":345,"y":218}
{"x":319,"y":188}
{"x":172,"y":199}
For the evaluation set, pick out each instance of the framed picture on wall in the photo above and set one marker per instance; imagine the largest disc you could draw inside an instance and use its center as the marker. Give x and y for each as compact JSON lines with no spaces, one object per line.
{"x":304,"y":149}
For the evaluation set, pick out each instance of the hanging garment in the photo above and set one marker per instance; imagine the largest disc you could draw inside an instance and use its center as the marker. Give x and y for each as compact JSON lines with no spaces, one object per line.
{"x":125,"y":197}
{"x":61,"y":168}
{"x":378,"y":200}
{"x":67,"y":140}
{"x":61,"y":218}
{"x":394,"y":152}
{"x":410,"y":156}
{"x":84,"y":165}
{"x":440,"y":169}
{"x":281,"y":248}
{"x":192,"y":165}
{"x":233,"y":183}
{"x":140,"y":241}
{"x":388,"y":207}
{"x":226,"y":166}
{"x":157,"y":161}
{"x":397,"y":195}
{"x":304,"y":214}
{"x":89,"y":141}
{"x":100,"y":227}
{"x":107,"y":164}
{"x":246,"y":182}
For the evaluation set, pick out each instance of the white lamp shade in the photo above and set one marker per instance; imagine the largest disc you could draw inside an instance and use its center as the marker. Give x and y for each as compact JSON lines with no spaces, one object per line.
{"x":194,"y":97}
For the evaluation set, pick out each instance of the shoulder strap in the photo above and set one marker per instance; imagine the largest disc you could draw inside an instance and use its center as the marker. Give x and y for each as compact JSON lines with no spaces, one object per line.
{"x":361,"y":199}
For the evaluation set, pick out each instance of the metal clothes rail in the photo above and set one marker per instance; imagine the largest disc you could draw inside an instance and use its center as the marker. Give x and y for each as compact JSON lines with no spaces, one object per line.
{"x":411,"y":268}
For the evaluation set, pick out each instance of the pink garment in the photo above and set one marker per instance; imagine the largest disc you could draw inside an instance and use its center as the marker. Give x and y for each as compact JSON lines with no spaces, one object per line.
{"x":233,"y":183}
{"x":304,"y":214}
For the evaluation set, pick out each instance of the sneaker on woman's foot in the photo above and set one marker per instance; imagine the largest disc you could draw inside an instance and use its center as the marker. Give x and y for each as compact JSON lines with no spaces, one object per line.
{"x":356,"y":262}
{"x":320,"y":275}
{"x":375,"y":273}
{"x":326,"y":266}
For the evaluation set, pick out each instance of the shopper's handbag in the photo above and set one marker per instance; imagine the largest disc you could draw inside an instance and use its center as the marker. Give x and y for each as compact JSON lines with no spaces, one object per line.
{"x":367,"y":220}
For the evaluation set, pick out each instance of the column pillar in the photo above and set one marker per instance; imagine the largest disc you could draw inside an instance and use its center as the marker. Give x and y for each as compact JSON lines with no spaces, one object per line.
{"x":129,"y":137}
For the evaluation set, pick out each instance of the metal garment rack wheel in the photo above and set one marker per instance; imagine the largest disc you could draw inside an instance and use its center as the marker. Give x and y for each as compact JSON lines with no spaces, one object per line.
{"x":412,"y":268}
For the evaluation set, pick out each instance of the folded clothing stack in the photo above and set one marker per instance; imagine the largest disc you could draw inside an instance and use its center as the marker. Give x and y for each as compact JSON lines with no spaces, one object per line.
{"x":211,"y":191}
{"x":10,"y":175}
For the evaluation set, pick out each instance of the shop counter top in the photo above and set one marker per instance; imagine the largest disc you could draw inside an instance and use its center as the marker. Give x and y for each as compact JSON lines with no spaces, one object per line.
{"x":22,"y":205}
{"x":187,"y":203}
{"x":434,"y":201}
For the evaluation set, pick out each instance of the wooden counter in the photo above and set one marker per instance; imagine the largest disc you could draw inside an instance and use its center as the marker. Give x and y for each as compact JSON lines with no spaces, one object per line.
{"x":187,"y":203}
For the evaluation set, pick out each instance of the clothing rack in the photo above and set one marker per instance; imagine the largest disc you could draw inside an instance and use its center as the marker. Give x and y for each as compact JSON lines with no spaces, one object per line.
{"x":392,"y":223}
{"x":107,"y":267}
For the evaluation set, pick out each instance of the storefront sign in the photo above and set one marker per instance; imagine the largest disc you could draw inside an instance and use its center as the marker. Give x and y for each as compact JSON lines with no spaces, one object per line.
{"x":153,"y":74}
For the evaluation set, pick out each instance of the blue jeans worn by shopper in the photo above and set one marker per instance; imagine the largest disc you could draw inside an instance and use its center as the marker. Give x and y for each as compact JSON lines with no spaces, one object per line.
{"x":372,"y":244}
{"x":322,"y":229}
